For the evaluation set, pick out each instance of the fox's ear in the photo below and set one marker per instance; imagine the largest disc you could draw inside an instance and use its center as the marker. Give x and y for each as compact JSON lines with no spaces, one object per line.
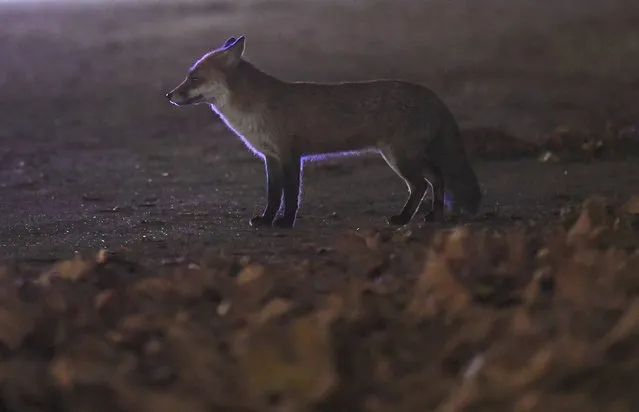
{"x":228,"y":42}
{"x":237,"y":44}
{"x":233,"y":51}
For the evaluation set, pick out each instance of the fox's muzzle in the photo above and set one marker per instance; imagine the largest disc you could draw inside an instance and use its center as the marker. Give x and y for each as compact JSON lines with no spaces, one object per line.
{"x":176,"y":97}
{"x":171,"y":96}
{"x":179,"y":98}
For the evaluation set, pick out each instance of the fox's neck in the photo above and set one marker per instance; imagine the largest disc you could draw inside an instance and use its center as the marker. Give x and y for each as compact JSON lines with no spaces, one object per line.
{"x":248,"y":88}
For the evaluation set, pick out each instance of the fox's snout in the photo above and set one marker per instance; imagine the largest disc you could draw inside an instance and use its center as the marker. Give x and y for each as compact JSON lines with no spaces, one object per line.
{"x":175,"y":97}
{"x":179,"y":97}
{"x":185,"y":94}
{"x":169,"y":96}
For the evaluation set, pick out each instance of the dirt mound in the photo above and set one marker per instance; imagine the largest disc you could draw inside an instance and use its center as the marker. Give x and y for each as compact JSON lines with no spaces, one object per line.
{"x":612,"y":143}
{"x":489,"y":143}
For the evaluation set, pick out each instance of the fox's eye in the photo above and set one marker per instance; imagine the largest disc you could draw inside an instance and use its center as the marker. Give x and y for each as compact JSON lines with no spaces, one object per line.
{"x":195,"y":79}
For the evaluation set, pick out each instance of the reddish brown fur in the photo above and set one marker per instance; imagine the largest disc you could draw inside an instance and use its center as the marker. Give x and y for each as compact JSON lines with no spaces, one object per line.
{"x":286,"y":121}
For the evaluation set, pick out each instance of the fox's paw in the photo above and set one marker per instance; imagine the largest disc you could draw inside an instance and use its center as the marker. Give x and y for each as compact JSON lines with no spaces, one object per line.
{"x":260,"y":221}
{"x":434,"y":216}
{"x":284,"y":222}
{"x":398,"y":220}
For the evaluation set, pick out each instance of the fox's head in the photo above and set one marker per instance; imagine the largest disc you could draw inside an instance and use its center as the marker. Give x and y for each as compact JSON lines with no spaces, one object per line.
{"x":207,"y":79}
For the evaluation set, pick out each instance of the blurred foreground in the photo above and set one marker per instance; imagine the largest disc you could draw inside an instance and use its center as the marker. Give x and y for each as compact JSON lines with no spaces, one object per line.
{"x":535,"y":317}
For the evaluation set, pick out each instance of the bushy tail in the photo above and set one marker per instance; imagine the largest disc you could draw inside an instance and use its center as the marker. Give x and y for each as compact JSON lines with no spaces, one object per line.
{"x":462,"y":191}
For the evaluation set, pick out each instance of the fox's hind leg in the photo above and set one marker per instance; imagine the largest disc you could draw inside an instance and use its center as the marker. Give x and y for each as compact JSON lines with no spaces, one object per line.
{"x":436,"y":180}
{"x":411,"y":171}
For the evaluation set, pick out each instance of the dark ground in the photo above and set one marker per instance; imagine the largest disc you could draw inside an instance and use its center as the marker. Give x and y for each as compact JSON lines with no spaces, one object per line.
{"x":92,"y":156}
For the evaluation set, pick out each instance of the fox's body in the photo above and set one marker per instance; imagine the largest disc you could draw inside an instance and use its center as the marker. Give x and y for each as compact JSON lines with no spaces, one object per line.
{"x":286,"y":122}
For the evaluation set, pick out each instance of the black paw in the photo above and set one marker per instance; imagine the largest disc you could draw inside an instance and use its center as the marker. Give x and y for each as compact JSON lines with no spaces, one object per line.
{"x":261,"y":221}
{"x":284,"y":222}
{"x":398,"y":220}
{"x":434,"y":216}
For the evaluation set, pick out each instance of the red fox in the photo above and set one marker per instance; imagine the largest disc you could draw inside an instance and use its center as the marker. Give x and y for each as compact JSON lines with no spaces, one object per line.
{"x":285,"y":123}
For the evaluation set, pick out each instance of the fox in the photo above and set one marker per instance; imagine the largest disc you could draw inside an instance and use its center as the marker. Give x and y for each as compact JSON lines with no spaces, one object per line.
{"x":286,"y":123}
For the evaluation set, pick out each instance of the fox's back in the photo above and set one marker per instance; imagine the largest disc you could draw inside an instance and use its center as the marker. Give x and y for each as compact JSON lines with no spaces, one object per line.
{"x":354,"y":115}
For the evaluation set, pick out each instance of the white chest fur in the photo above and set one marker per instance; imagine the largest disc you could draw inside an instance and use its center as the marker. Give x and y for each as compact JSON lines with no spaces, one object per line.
{"x":250,"y":127}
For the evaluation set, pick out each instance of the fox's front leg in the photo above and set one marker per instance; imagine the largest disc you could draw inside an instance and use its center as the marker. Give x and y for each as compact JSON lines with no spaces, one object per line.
{"x":292,"y":169}
{"x":274,"y":185}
